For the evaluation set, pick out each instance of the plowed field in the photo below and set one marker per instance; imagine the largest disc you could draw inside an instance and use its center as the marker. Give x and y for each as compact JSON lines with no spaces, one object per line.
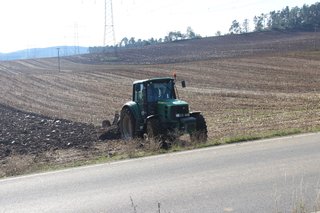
{"x":259,"y":84}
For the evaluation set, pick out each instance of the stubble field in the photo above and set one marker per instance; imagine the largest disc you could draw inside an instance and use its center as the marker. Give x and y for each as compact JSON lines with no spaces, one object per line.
{"x":245,"y":94}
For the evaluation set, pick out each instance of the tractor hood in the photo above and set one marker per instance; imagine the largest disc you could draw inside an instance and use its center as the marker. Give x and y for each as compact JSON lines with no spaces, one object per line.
{"x":172,"y":102}
{"x":172,"y":109}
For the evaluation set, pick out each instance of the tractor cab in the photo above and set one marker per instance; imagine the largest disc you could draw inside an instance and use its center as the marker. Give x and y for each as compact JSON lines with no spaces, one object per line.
{"x":148,"y":93}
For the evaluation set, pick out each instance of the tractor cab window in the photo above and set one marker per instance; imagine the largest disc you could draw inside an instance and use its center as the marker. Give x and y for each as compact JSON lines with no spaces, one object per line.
{"x":138,"y":93}
{"x":159,"y":91}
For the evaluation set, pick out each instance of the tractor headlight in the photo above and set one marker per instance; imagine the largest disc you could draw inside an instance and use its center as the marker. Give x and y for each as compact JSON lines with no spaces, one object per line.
{"x":181,"y":115}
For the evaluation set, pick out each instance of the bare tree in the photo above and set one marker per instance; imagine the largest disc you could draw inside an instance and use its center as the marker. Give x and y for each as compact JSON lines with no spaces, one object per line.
{"x":245,"y":26}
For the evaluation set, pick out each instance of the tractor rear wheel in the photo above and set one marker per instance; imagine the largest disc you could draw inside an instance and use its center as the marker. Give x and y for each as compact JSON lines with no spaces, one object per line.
{"x":201,"y":132}
{"x":127,"y":124}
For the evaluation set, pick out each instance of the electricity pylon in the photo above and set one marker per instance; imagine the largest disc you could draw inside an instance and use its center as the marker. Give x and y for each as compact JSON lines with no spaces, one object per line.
{"x":109,"y":37}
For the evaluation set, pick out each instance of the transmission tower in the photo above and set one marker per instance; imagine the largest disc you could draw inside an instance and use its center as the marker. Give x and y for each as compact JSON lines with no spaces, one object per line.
{"x":109,"y":37}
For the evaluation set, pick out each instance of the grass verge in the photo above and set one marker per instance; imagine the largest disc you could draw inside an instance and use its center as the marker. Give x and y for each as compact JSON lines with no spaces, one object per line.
{"x":22,"y":165}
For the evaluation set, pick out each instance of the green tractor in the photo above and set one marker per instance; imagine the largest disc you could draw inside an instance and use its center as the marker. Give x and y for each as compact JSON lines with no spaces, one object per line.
{"x":156,"y":113}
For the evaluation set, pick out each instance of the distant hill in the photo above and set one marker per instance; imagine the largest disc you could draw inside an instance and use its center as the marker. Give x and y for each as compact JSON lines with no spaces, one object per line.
{"x":228,"y":46}
{"x":43,"y":52}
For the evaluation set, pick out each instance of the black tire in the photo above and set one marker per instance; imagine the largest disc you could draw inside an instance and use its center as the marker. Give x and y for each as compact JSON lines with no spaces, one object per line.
{"x":127,"y":124}
{"x":153,"y":129}
{"x":201,"y":133}
{"x":156,"y":134}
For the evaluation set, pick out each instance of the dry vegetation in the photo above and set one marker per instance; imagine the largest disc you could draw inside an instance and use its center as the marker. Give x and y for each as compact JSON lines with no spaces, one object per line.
{"x":241,"y":95}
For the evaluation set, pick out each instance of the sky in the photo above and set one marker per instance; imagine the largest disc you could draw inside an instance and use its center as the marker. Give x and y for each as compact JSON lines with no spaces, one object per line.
{"x":27,"y":24}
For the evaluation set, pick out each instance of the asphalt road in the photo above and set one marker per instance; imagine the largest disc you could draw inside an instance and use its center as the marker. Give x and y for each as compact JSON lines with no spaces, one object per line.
{"x":276,"y":175}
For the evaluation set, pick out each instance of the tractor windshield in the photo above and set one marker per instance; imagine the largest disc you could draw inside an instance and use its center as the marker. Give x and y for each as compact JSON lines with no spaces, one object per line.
{"x":160,"y":91}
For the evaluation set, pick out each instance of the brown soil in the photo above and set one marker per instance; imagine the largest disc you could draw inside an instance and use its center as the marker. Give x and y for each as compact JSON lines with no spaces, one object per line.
{"x":243,"y":84}
{"x":28,"y":133}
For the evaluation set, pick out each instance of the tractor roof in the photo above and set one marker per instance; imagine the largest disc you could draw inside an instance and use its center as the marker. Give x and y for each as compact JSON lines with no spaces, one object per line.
{"x":153,"y":80}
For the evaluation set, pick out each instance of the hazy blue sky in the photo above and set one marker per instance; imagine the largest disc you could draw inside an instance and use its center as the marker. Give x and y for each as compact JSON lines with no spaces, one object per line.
{"x":42,"y":23}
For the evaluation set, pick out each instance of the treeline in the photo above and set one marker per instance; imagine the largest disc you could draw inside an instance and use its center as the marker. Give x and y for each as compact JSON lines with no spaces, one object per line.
{"x":133,"y":42}
{"x":306,"y":18}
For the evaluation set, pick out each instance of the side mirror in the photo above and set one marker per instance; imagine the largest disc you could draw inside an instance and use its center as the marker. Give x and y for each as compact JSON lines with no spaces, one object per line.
{"x":183,"y":84}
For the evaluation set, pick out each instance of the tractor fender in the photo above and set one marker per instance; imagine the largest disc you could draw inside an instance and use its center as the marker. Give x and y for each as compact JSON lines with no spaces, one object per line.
{"x":152,"y":116}
{"x":133,"y":107}
{"x":195,"y":113}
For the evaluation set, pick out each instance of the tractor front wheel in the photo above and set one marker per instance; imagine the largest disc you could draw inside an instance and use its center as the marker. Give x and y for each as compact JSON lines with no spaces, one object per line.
{"x":201,"y":132}
{"x":156,"y":134}
{"x":153,"y":129}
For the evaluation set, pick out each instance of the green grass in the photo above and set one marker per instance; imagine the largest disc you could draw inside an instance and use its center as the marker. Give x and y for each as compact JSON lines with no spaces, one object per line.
{"x":252,"y":137}
{"x":270,"y":134}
